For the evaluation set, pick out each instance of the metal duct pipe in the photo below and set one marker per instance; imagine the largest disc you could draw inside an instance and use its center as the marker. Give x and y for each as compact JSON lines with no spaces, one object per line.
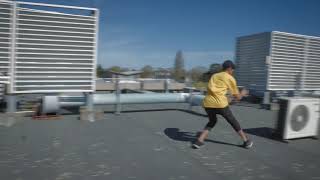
{"x":110,"y":99}
{"x":104,"y":99}
{"x":50,"y":104}
{"x":196,"y":100}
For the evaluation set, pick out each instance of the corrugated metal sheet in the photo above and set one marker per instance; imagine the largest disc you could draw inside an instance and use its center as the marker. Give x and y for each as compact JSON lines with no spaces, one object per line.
{"x":5,"y":39}
{"x":53,"y":48}
{"x":5,"y":44}
{"x":295,"y":62}
{"x":251,"y":56}
{"x":312,"y":72}
{"x":278,"y":61}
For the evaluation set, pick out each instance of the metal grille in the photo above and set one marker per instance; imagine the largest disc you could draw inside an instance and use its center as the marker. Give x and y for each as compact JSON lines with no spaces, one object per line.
{"x":54,"y":48}
{"x":5,"y":40}
{"x":312,"y":67}
{"x":251,"y":54}
{"x":295,"y":62}
{"x":278,"y":61}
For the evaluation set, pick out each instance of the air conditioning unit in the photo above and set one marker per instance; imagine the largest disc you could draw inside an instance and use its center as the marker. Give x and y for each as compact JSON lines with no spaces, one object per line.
{"x":298,"y":117}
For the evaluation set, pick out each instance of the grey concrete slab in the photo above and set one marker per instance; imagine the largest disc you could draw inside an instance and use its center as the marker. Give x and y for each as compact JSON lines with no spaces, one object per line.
{"x":141,"y":144}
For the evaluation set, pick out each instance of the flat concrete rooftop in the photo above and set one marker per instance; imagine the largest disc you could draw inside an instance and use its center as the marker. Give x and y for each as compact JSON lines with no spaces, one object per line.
{"x":147,"y":144}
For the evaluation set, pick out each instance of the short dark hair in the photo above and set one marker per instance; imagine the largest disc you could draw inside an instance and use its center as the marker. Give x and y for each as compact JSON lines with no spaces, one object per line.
{"x":228,"y":64}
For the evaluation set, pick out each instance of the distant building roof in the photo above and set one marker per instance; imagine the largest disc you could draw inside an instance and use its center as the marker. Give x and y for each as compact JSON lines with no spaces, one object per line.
{"x":126,"y":73}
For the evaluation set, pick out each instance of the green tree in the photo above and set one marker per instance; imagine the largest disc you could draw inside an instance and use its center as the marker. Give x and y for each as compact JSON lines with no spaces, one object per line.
{"x":147,"y":72}
{"x":115,"y":69}
{"x":108,"y":72}
{"x":178,"y":69}
{"x":162,"y":73}
{"x":196,"y":73}
{"x":214,"y":68}
{"x":100,"y":71}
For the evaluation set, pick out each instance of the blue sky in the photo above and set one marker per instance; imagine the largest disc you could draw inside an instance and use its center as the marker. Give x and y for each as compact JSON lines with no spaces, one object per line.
{"x":134,"y":33}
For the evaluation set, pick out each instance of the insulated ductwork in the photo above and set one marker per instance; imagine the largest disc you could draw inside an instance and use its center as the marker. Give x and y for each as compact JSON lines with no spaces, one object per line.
{"x":50,"y":104}
{"x":54,"y":103}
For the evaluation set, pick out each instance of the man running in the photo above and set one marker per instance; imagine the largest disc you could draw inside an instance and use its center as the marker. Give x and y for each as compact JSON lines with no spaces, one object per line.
{"x":216,"y":102}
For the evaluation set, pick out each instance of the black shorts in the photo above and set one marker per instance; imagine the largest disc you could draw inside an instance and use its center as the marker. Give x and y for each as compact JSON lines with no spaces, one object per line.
{"x":224,"y":112}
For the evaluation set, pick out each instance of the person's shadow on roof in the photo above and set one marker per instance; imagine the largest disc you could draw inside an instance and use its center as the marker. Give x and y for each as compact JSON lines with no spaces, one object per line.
{"x":177,"y":135}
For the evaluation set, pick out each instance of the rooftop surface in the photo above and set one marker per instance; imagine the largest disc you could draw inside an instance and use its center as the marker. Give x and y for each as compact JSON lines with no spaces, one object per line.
{"x":153,"y":142}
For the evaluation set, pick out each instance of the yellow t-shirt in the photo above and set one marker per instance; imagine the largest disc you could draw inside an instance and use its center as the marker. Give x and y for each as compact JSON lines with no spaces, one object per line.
{"x":218,"y":86}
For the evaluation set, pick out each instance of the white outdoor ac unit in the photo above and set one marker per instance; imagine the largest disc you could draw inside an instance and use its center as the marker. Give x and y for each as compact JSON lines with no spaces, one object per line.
{"x":298,"y":117}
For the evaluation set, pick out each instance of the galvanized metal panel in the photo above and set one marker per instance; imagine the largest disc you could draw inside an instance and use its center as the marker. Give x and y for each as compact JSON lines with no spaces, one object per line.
{"x":312,"y":72}
{"x":53,"y":51}
{"x":5,"y":42}
{"x":295,"y":62}
{"x":251,"y":54}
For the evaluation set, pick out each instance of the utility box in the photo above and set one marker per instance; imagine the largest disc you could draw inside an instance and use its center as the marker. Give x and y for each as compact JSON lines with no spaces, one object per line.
{"x":278,"y":62}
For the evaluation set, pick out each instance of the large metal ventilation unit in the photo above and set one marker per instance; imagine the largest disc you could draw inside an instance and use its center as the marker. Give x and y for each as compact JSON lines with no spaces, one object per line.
{"x":47,"y":48}
{"x":278,"y":61}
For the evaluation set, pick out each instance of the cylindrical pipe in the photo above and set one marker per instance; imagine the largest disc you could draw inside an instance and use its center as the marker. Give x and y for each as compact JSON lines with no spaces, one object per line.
{"x":108,"y":99}
{"x":89,"y":106}
{"x":196,"y":100}
{"x":166,"y":85}
{"x":104,"y":99}
{"x":111,"y":99}
{"x":118,"y":92}
{"x":50,"y":104}
{"x":11,"y":103}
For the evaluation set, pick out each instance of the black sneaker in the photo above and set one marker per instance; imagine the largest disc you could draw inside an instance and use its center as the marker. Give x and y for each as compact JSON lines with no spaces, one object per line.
{"x":248,"y":144}
{"x":197,"y":144}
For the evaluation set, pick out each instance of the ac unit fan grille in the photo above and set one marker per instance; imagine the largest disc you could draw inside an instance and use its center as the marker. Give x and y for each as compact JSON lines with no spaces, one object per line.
{"x":299,"y":118}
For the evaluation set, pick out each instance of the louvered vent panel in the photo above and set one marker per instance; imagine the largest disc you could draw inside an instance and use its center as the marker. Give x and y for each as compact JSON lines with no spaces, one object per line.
{"x":55,"y":51}
{"x":5,"y":41}
{"x":295,"y":62}
{"x":312,"y":79}
{"x":251,"y":53}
